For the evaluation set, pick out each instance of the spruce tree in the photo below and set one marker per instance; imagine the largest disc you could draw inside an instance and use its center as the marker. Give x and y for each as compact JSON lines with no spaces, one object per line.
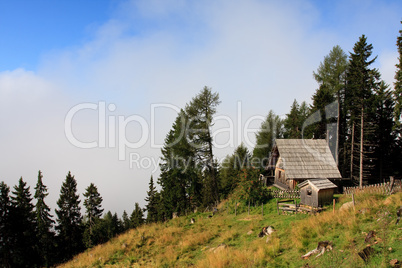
{"x":398,"y":84}
{"x":151,"y":207}
{"x":331,"y":75}
{"x":321,"y":99}
{"x":108,"y":225}
{"x":125,"y":221}
{"x":137,"y":216}
{"x":386,"y":152}
{"x":179,"y":180}
{"x":231,"y":168}
{"x":295,"y":120}
{"x":69,"y":219}
{"x":24,"y":227}
{"x":93,"y":205}
{"x":46,"y":237}
{"x":161,"y":215}
{"x":112,"y":225}
{"x":360,"y":82}
{"x":117,"y":225}
{"x":7,"y":238}
{"x":270,"y":130}
{"x":200,"y":111}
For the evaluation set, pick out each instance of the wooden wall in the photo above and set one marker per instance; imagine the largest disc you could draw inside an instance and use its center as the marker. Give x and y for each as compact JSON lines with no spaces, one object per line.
{"x":316,"y":198}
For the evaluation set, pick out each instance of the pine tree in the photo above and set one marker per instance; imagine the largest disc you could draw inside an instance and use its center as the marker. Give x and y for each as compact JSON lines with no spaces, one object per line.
{"x":24,"y":227}
{"x":321,"y":99}
{"x":112,"y":225}
{"x":270,"y":130}
{"x":201,"y":110}
{"x":46,"y":237}
{"x":108,"y":225}
{"x":331,"y":75}
{"x":398,"y":84}
{"x":126,"y":221}
{"x":7,"y":238}
{"x":69,"y":219}
{"x":137,"y":217}
{"x":231,"y":168}
{"x":331,"y":72}
{"x":295,"y":120}
{"x":117,"y":225}
{"x":360,"y":82}
{"x":92,"y":203}
{"x":161,"y":215}
{"x":151,"y":207}
{"x":386,"y":153}
{"x":179,"y":180}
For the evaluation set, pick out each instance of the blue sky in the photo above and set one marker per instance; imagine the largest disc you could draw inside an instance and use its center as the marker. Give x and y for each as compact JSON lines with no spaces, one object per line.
{"x":137,"y":55}
{"x":33,"y":28}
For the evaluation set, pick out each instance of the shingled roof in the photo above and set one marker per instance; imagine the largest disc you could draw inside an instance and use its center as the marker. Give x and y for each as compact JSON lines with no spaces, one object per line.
{"x":305,"y":159}
{"x":319,"y":184}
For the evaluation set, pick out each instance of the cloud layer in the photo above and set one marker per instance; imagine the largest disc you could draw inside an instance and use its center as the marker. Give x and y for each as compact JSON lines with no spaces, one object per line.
{"x":261,"y":53}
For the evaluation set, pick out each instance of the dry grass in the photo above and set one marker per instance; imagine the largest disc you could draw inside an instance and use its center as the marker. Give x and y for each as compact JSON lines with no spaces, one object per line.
{"x":178,"y":243}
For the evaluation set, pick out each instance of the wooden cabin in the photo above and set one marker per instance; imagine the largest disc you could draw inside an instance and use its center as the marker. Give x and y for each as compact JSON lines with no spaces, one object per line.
{"x":293,"y":161}
{"x":316,"y":192}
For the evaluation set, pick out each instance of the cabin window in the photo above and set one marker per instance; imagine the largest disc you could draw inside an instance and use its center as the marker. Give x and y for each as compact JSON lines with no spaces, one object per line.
{"x":309,"y":192}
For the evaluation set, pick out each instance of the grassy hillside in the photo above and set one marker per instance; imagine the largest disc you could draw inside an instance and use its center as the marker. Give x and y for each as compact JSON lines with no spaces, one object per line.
{"x":180,"y":243}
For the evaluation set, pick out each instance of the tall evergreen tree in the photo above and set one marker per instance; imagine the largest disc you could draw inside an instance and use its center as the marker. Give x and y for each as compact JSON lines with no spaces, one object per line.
{"x":331,"y":75}
{"x":46,"y":236}
{"x":360,"y":82}
{"x":295,"y":120}
{"x":270,"y":130}
{"x":93,"y":205}
{"x":321,"y":99}
{"x":109,"y":228}
{"x":137,"y":217}
{"x":117,"y":224}
{"x":161,"y":215}
{"x":331,"y":72}
{"x":201,"y":110}
{"x":398,"y":107}
{"x":386,"y":151}
{"x":24,"y":227}
{"x":231,"y":168}
{"x":151,"y":207}
{"x":126,"y":221}
{"x":179,"y":180}
{"x":69,"y":219}
{"x":7,"y":238}
{"x":112,"y":225}
{"x":398,"y":83}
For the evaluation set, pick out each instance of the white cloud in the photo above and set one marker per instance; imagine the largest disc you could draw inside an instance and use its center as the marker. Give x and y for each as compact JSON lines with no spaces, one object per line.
{"x":257,"y":52}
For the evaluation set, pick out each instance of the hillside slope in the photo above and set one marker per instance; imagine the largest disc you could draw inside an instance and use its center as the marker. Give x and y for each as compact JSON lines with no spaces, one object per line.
{"x":225,"y":240}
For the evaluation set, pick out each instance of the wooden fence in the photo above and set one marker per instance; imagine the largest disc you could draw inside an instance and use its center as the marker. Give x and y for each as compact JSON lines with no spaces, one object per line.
{"x":386,"y":188}
{"x":285,"y":194}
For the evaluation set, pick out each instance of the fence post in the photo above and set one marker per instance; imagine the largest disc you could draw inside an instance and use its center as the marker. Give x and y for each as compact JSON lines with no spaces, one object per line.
{"x":392,"y":180}
{"x":333,"y":209}
{"x":277,"y":206}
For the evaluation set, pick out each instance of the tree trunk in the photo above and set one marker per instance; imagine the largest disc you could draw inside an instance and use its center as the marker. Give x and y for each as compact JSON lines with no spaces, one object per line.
{"x":338,"y":120}
{"x":361,"y":148}
{"x":351,"y":151}
{"x":215,"y":191}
